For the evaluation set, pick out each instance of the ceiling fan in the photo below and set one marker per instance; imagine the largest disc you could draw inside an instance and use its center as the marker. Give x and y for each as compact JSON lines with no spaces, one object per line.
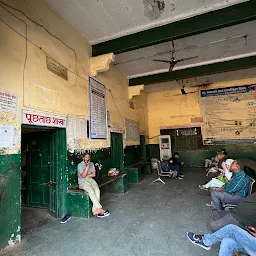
{"x":173,"y":61}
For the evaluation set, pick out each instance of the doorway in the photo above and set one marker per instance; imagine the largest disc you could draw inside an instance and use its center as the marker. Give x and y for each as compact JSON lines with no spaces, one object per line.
{"x":117,"y":151}
{"x":41,"y":168}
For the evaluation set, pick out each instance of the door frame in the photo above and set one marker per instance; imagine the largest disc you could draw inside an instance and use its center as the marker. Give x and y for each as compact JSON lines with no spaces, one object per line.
{"x":59,"y":149}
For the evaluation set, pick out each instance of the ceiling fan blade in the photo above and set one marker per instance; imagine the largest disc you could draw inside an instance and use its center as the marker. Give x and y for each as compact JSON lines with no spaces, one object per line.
{"x":166,"y":61}
{"x":190,"y":58}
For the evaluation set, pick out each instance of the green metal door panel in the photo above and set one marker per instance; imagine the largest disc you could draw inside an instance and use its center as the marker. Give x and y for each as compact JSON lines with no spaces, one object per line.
{"x":58,"y":194}
{"x":38,"y":169}
{"x":117,"y":151}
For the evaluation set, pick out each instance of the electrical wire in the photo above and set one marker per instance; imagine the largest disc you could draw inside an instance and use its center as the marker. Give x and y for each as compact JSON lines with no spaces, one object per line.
{"x":47,"y":54}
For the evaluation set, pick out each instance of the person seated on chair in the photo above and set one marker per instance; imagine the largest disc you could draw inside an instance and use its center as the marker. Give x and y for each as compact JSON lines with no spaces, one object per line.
{"x":86,"y":172}
{"x":242,"y":215}
{"x":215,"y":171}
{"x":233,"y":191}
{"x":233,"y":240}
{"x":176,"y":165}
{"x":223,"y":177}
{"x":213,"y":162}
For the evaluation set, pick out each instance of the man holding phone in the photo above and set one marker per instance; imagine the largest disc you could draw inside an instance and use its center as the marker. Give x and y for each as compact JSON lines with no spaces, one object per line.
{"x":86,"y":172}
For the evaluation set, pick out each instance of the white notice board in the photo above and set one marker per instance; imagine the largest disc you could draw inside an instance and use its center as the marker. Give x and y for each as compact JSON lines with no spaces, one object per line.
{"x":132,"y":130}
{"x":8,"y":102}
{"x":98,"y":111}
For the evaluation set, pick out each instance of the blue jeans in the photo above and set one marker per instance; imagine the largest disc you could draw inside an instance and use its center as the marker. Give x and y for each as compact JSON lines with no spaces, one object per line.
{"x":233,"y":239}
{"x":175,"y":167}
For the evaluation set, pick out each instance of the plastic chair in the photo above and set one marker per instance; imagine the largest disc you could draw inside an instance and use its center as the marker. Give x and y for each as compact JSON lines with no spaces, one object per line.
{"x":161,"y":173}
{"x":231,"y":206}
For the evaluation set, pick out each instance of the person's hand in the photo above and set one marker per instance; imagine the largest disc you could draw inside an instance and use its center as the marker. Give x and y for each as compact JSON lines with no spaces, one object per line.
{"x":182,"y":163}
{"x":171,"y":161}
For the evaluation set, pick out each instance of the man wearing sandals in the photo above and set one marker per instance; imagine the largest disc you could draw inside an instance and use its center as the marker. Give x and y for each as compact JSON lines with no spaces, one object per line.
{"x":86,"y":172}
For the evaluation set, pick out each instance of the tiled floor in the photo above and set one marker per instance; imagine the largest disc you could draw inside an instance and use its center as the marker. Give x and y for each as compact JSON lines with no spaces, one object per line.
{"x":150,"y":219}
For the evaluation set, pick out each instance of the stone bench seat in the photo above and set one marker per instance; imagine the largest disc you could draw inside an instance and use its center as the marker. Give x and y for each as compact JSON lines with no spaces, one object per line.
{"x":78,"y":201}
{"x":136,"y":171}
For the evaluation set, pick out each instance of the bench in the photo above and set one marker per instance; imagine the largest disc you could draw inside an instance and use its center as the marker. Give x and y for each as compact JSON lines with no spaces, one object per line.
{"x":79,"y":203}
{"x":135,"y":171}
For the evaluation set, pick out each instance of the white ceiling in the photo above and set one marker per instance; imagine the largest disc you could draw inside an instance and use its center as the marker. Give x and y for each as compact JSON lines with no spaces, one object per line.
{"x":215,"y":46}
{"x":102,"y":20}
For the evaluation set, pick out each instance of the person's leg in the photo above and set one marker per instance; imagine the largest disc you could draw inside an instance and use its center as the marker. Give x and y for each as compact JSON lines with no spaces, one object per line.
{"x":86,"y":185}
{"x":220,"y":197}
{"x":229,"y":246}
{"x":220,"y":219}
{"x":240,"y":236}
{"x":214,"y":183}
{"x":175,"y":167}
{"x":95,"y":188}
{"x":207,"y":163}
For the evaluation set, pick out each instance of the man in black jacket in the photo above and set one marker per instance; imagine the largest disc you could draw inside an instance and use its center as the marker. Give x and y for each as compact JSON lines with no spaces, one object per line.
{"x":175,"y":165}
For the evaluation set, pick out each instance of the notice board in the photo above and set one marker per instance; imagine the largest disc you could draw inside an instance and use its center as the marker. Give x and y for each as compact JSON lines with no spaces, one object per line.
{"x":132,"y":130}
{"x":98,"y":111}
{"x":229,"y":115}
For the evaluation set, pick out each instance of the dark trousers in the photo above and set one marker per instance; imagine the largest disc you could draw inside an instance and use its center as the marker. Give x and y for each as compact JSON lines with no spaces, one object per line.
{"x":175,"y":167}
{"x":219,"y":219}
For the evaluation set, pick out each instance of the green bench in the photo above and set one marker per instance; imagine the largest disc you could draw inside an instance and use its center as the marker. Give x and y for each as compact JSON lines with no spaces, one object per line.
{"x":79,"y":203}
{"x":136,"y":171}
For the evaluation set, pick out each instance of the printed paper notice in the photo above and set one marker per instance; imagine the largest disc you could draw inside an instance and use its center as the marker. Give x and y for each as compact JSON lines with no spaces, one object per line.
{"x":7,"y":136}
{"x":8,"y":102}
{"x":98,"y":118}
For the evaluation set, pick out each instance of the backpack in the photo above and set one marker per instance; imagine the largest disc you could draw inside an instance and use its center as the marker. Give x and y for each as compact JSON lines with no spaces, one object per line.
{"x":166,"y":167}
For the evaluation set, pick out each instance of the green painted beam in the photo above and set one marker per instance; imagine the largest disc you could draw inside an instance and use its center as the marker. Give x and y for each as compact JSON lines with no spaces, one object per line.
{"x":225,"y":17}
{"x":210,"y":69}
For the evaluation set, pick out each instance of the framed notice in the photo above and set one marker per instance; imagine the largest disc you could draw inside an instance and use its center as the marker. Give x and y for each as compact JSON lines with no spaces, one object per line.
{"x":229,"y":115}
{"x":98,"y":112}
{"x":132,"y":130}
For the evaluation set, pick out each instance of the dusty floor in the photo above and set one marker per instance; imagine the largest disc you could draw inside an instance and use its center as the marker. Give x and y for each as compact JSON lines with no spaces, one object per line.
{"x":150,"y":219}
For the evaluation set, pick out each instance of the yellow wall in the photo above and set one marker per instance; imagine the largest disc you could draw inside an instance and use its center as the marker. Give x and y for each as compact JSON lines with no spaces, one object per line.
{"x":44,"y":91}
{"x":171,"y":108}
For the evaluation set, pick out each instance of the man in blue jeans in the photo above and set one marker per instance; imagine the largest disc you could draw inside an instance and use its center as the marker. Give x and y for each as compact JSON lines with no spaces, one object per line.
{"x":175,"y":165}
{"x":233,"y":239}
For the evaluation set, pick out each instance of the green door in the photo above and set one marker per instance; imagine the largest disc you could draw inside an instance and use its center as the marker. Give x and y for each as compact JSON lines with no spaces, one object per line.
{"x":117,"y":151}
{"x":143,"y":156}
{"x":41,"y":177}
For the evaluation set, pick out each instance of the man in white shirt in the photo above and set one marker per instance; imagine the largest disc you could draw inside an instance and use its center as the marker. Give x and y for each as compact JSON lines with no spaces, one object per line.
{"x":86,"y":172}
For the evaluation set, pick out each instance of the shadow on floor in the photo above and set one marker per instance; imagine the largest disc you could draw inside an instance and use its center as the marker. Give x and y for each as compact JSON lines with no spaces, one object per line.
{"x":34,"y":219}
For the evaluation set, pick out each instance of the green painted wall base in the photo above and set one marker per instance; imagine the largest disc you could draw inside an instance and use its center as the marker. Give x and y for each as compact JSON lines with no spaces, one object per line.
{"x":10,"y":208}
{"x":146,"y":169}
{"x":196,"y":158}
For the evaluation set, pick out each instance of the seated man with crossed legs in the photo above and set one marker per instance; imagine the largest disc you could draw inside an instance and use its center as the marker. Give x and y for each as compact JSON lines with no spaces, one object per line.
{"x":86,"y":172}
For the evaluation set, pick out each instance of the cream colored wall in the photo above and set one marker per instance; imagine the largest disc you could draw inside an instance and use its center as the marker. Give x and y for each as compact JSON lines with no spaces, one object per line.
{"x":44,"y":91}
{"x":171,"y":108}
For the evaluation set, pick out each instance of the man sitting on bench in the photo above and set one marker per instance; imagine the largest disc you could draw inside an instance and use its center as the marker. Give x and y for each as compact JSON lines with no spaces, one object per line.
{"x":233,"y":191}
{"x":86,"y":172}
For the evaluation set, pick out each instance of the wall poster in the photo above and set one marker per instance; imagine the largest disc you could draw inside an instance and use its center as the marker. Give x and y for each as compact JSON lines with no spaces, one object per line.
{"x":98,"y":111}
{"x":132,"y":130}
{"x":229,"y":115}
{"x":8,"y":102}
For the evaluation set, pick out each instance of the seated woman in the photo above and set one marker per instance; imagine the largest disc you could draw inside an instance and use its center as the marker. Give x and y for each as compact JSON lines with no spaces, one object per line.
{"x":223,"y":177}
{"x":215,"y":171}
